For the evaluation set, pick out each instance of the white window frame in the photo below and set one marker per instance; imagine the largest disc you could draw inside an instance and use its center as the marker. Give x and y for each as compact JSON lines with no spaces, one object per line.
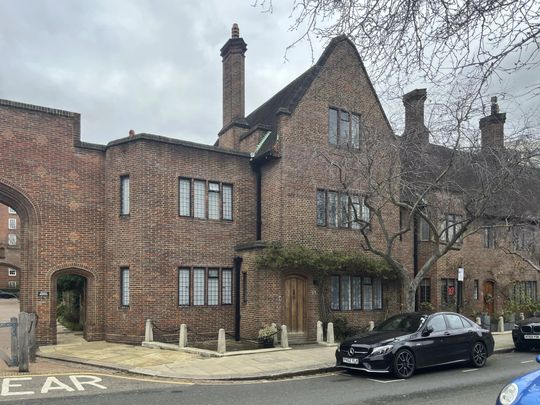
{"x":124,"y":286}
{"x":11,"y":210}
{"x":12,"y":284}
{"x":12,"y":239}
{"x":12,"y":223}
{"x":12,"y":272}
{"x":124,"y":195}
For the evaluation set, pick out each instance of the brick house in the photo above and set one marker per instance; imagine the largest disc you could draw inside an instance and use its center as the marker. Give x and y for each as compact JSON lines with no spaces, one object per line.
{"x":9,"y":249}
{"x":170,"y":230}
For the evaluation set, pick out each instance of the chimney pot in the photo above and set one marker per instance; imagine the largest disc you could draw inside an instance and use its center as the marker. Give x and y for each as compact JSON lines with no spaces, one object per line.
{"x":235,"y":32}
{"x":131,"y":133}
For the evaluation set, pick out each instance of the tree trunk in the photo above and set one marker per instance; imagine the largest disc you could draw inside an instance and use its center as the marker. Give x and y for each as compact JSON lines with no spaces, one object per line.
{"x":409,"y":294}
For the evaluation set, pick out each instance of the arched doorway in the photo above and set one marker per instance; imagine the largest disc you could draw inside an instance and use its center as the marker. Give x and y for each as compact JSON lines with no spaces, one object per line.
{"x":78,"y":309}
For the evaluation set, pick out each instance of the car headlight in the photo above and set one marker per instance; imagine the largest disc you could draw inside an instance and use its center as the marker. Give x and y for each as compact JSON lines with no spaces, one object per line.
{"x":509,"y":394}
{"x":516,"y":326}
{"x":381,"y":350}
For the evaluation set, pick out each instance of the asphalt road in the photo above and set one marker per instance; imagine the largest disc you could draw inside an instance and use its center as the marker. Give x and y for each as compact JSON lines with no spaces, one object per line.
{"x":454,"y":385}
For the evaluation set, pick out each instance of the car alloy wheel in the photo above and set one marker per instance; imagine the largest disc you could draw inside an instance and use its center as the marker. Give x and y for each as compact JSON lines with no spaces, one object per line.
{"x":404,"y":364}
{"x":479,"y":354}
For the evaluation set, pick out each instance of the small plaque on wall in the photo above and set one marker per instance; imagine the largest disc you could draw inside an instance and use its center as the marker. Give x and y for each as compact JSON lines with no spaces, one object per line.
{"x":43,"y":294}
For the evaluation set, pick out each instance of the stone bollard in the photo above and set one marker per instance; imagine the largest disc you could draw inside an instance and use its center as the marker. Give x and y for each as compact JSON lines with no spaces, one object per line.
{"x":221,"y":347}
{"x":371,"y":325}
{"x":500,"y":327}
{"x":275,"y":337}
{"x":478,"y":320}
{"x":148,"y":332}
{"x":521,"y":316}
{"x":182,"y":342}
{"x":284,"y":337}
{"x":320,"y":336}
{"x":330,"y":333}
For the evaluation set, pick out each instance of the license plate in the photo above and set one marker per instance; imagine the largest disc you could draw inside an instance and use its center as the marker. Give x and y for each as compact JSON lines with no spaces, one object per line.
{"x":349,"y":360}
{"x":532,"y":336}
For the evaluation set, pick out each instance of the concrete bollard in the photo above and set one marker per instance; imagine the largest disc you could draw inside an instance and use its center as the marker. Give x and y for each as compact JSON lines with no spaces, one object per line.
{"x":371,"y":325}
{"x":521,"y":316}
{"x":284,"y":337}
{"x":148,"y":332}
{"x":478,"y":320}
{"x":320,"y":336}
{"x":500,"y":327}
{"x":275,"y":337}
{"x":330,"y":333}
{"x":221,"y":346}
{"x":182,"y":342}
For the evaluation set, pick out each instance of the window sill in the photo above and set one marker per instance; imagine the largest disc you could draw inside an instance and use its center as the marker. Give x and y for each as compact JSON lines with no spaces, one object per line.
{"x":124,"y":216}
{"x":222,"y":221}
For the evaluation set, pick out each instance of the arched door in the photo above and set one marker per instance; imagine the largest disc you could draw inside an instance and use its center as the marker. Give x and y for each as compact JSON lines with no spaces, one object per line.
{"x":295,"y":304}
{"x":489,"y":297}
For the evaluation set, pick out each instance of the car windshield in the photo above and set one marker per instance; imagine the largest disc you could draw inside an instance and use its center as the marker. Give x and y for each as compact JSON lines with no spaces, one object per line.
{"x":403,"y":323}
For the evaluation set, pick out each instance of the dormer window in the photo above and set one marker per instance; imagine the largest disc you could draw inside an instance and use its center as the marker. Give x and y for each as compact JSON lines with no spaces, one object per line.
{"x":343,"y":128}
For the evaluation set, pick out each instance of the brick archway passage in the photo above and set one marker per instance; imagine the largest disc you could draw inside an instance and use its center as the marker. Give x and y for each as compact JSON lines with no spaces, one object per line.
{"x":29,"y":219}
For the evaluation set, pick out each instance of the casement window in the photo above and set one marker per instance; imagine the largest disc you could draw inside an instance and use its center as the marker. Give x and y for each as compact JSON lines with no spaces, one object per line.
{"x":12,"y":239}
{"x":12,"y":223}
{"x":184,"y":197}
{"x":201,"y":286}
{"x":425,"y":290}
{"x":343,"y":128}
{"x":12,"y":284}
{"x":124,"y":287}
{"x":202,"y":199}
{"x":476,"y":290}
{"x":524,"y":292}
{"x":124,"y":195}
{"x":450,"y":226}
{"x":490,"y":237}
{"x":424,"y":233}
{"x":11,"y":210}
{"x":448,"y":290}
{"x":355,"y":293}
{"x":522,"y":238}
{"x":341,"y":210}
{"x":12,"y":272}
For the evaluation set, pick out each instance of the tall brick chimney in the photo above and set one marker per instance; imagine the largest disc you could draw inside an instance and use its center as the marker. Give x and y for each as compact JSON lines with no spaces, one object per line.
{"x":415,"y":130}
{"x":492,"y":127}
{"x":233,"y":54}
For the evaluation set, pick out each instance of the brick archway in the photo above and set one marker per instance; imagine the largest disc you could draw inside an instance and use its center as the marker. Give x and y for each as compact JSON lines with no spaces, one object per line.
{"x":91,"y":328}
{"x":17,"y":199}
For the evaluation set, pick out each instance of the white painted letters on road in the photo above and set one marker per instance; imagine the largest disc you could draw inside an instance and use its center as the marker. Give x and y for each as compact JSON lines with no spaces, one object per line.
{"x":75,"y":379}
{"x":58,"y":385}
{"x":8,"y":383}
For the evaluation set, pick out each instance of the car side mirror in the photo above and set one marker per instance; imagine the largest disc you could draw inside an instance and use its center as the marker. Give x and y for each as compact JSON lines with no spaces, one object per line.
{"x":427,"y":331}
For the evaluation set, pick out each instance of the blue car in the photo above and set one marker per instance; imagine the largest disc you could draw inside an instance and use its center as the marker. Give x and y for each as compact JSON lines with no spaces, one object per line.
{"x":524,"y":390}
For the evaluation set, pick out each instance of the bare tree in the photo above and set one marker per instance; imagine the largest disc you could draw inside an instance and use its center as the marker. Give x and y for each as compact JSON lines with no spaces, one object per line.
{"x":448,"y":189}
{"x":440,"y":40}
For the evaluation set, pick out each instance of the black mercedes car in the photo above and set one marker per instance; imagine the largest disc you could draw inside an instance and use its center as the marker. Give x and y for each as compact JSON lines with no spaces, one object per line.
{"x":406,"y":342}
{"x":526,"y":333}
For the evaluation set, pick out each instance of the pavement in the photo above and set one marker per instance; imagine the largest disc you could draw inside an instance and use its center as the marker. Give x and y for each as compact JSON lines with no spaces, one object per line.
{"x":74,"y":353}
{"x":300,"y":360}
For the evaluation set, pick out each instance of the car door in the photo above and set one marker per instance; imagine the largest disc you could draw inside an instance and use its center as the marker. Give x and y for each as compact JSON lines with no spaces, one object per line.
{"x":429,"y":348}
{"x":456,"y":339}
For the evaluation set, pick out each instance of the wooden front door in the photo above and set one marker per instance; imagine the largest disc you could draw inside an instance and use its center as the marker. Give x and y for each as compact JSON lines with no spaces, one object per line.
{"x":489,"y":297}
{"x":295,"y":304}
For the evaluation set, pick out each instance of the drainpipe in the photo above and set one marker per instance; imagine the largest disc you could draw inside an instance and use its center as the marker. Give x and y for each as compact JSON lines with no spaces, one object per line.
{"x":258,"y":174}
{"x":237,"y":266}
{"x":415,"y":257}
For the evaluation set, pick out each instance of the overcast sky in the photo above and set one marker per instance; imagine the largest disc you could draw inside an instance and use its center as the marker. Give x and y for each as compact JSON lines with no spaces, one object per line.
{"x":152,"y":66}
{"x":148,"y":65}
